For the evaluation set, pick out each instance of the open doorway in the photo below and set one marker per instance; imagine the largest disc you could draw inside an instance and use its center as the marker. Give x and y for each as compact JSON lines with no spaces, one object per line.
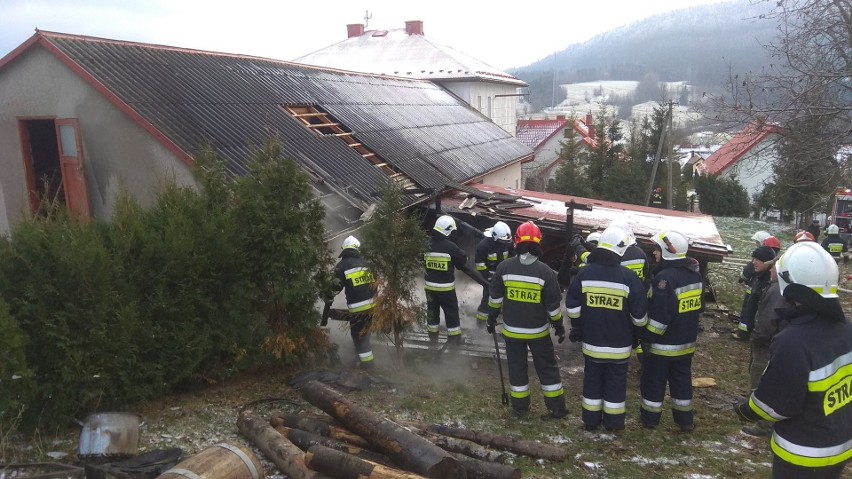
{"x":53,"y":159}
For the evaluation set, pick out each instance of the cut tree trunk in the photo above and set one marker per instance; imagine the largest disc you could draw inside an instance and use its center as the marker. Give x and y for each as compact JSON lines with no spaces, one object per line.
{"x":478,"y":469}
{"x":461,"y":446}
{"x":343,"y":466}
{"x":405,"y":448}
{"x":304,"y":440}
{"x":518,"y":446}
{"x":316,"y":426}
{"x":283,"y":453}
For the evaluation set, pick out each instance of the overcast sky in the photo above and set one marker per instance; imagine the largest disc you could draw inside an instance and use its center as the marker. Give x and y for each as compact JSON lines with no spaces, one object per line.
{"x":501,"y":34}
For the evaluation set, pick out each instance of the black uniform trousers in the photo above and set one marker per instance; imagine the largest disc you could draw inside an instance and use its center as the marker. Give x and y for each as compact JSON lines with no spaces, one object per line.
{"x":482,"y":310}
{"x":782,"y":469}
{"x":656,"y":372}
{"x":604,"y":394}
{"x":449,"y":303}
{"x":359,"y":324}
{"x":544,"y":361}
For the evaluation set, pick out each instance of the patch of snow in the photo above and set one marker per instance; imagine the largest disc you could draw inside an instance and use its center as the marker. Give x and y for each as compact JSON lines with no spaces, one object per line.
{"x":559,"y":440}
{"x":646,"y":461}
{"x":57,"y":454}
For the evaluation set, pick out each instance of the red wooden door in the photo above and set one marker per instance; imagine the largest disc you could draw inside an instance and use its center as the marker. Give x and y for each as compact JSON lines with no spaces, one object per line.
{"x":71,"y":161}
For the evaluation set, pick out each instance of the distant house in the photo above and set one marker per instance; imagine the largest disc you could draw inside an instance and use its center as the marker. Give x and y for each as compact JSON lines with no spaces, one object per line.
{"x":545,"y":137}
{"x":93,"y":115}
{"x":748,"y":156}
{"x":409,"y":53}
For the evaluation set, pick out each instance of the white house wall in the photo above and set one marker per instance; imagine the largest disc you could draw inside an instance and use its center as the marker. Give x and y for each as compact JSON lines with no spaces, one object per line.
{"x":477,"y":94}
{"x":507,"y":177}
{"x":754,"y":169}
{"x":544,"y":155}
{"x":118,"y":153}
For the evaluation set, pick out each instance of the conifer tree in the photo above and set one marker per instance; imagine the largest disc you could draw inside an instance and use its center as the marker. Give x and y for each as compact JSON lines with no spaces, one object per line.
{"x":394,"y":244}
{"x":570,"y":178}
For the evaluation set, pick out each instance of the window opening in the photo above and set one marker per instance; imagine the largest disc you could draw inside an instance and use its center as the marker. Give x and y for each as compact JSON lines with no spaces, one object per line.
{"x":46,"y":171}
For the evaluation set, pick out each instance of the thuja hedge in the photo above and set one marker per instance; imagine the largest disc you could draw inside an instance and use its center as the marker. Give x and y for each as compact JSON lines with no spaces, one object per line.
{"x":204,"y":283}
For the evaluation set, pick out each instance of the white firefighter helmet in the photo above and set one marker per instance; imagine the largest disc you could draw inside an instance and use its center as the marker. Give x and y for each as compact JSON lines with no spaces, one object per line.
{"x":594,"y":237}
{"x":625,"y":226}
{"x":673,"y":244}
{"x":614,"y":239}
{"x":808,"y":264}
{"x":833,"y":229}
{"x":501,"y":232}
{"x":760,"y":237}
{"x":350,"y":242}
{"x":445,"y":225}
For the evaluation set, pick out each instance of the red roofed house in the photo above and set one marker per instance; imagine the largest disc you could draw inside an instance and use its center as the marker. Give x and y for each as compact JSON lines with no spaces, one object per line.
{"x":545,"y":138}
{"x":407,"y":52}
{"x":748,"y":156}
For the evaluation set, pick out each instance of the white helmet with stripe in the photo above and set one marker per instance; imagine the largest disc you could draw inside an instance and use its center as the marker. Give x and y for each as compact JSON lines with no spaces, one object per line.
{"x":808,"y":264}
{"x":350,"y":242}
{"x":614,"y":239}
{"x":673,"y":244}
{"x":445,"y":225}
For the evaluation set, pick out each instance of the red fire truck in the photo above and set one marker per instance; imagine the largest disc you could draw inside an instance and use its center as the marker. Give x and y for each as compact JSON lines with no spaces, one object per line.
{"x":841,"y":211}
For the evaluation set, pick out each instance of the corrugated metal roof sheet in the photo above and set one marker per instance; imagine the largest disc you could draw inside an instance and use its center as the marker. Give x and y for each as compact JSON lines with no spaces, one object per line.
{"x":231,"y":101}
{"x":548,"y":210}
{"x":401,"y":54}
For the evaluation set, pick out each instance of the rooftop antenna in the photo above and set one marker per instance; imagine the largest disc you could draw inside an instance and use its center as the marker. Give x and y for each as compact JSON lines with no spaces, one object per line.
{"x":367,"y":17}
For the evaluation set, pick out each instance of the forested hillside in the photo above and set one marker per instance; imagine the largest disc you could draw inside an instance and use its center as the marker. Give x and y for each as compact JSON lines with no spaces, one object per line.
{"x":701,"y":45}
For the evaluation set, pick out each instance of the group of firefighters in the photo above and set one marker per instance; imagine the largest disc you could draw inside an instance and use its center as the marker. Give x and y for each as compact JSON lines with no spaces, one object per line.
{"x":617,"y":305}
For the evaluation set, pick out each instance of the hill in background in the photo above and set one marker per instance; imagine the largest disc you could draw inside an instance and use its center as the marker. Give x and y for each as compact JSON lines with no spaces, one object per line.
{"x":700,"y":46}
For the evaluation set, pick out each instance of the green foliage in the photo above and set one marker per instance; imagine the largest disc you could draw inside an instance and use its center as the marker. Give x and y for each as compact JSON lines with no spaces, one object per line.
{"x":394,"y":245}
{"x":194,"y":288}
{"x":17,"y":385}
{"x":722,"y":196}
{"x":573,"y":156}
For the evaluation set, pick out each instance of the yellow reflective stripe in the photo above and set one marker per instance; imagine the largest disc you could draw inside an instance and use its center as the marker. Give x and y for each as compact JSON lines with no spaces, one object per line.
{"x":694,"y":287}
{"x":519,"y":391}
{"x":671,"y":349}
{"x":656,"y":327}
{"x":552,"y":394}
{"x":763,"y":410}
{"x":507,"y":332}
{"x":366,"y":357}
{"x":682,"y":404}
{"x":430,"y":286}
{"x":602,"y":352}
{"x":613,"y":292}
{"x":523,"y":285}
{"x":607,"y":287}
{"x":574,"y":312}
{"x":556,"y":317}
{"x":592,"y":404}
{"x":640,"y":322}
{"x":481,"y":267}
{"x":823,"y":378}
{"x":492,"y":256}
{"x":614,"y":407}
{"x":454,"y":331}
{"x":808,"y":456}
{"x":651,"y":406}
{"x":361,"y":306}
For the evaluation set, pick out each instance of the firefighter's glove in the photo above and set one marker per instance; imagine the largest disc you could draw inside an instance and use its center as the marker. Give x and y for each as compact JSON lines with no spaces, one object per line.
{"x":490,"y":326}
{"x":742,"y":410}
{"x":559,"y":329}
{"x":574,"y":336}
{"x":575,"y":243}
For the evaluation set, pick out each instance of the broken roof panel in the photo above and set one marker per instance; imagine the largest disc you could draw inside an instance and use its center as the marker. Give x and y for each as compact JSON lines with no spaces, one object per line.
{"x":548,"y":211}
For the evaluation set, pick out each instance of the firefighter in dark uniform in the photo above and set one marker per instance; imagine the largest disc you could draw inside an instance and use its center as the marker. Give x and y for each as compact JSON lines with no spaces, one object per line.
{"x":745,"y":278}
{"x":528,"y":293}
{"x":657,"y":198}
{"x":490,"y":252}
{"x":355,"y":278}
{"x":441,"y":261}
{"x":605,"y":302}
{"x":835,"y":245}
{"x":634,"y":259}
{"x":673,"y":310}
{"x":806,"y":389}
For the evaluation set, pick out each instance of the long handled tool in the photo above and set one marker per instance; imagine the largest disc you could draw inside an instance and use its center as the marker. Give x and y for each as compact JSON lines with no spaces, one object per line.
{"x":504,"y":397}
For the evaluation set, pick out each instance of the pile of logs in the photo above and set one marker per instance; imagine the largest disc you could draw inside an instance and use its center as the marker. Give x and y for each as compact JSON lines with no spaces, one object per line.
{"x":353,"y":442}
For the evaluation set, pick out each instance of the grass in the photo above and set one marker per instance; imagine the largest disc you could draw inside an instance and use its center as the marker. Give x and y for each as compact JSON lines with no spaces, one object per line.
{"x":464,"y":391}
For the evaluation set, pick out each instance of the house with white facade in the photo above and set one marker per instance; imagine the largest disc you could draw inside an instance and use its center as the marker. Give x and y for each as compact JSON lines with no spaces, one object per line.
{"x":748,"y":156}
{"x":545,"y":137}
{"x":408,"y":52}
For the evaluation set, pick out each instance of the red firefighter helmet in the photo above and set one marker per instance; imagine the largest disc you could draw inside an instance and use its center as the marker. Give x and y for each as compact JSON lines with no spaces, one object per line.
{"x":659,"y":190}
{"x":803,"y":236}
{"x":527,"y":233}
{"x":772,"y":242}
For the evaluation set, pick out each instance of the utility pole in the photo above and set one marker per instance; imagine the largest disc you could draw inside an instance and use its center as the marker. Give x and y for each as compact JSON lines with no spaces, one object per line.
{"x":667,"y":124}
{"x":671,"y":148}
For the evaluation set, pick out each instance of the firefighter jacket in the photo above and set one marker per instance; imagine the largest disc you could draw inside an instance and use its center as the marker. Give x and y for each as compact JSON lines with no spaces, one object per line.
{"x":441,"y":262}
{"x":605,"y":302}
{"x":835,"y":245}
{"x":758,"y":284}
{"x":676,"y":302}
{"x":806,"y":390}
{"x":747,"y":275}
{"x":530,"y":297}
{"x":636,"y":260}
{"x":356,"y":279}
{"x":490,"y":253}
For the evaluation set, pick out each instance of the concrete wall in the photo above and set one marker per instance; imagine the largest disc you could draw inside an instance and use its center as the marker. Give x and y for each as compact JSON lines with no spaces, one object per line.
{"x":478,"y":95}
{"x":118,"y":153}
{"x":509,"y":177}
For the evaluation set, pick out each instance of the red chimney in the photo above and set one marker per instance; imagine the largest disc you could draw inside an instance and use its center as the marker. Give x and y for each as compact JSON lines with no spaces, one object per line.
{"x":414,"y":27}
{"x":354,"y":30}
{"x":590,"y":125}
